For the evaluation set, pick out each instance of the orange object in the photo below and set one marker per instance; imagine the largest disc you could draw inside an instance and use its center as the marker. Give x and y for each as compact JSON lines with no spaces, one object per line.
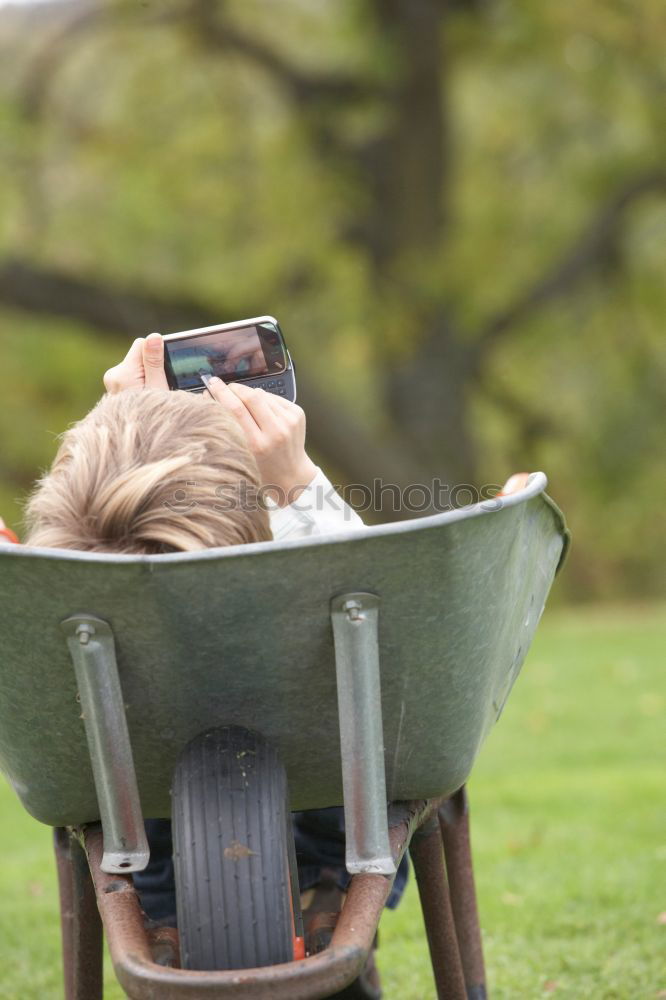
{"x":9,"y":535}
{"x":299,"y":948}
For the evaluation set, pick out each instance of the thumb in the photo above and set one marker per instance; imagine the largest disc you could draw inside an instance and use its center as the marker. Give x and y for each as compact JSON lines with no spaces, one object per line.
{"x":153,"y":362}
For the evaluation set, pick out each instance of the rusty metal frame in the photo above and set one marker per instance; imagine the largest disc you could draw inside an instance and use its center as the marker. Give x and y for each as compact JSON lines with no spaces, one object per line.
{"x":80,"y":922}
{"x":454,"y":827}
{"x":427,"y":856}
{"x":424,"y":827}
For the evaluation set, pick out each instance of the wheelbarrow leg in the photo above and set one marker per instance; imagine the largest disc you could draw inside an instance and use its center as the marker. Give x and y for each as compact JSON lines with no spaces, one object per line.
{"x":427,"y":854}
{"x":454,"y":823}
{"x":79,"y":921}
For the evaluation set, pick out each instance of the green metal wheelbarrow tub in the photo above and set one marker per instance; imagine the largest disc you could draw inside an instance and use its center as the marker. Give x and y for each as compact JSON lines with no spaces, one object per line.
{"x":403,"y":639}
{"x":243,"y":635}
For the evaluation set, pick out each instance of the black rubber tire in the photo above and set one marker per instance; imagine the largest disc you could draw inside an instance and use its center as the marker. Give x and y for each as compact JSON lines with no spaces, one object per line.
{"x":231,"y":821}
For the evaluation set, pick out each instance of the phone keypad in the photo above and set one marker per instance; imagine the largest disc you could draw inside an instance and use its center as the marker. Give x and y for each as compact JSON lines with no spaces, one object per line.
{"x":278,"y":386}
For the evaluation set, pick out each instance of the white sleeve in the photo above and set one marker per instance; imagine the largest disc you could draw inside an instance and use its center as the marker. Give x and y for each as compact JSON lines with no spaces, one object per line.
{"x":319,"y":510}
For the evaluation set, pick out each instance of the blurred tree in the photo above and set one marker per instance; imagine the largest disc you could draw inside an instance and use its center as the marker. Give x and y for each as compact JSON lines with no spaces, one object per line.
{"x":454,"y":208}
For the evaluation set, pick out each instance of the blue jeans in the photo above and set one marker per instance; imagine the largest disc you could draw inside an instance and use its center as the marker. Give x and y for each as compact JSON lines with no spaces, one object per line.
{"x":320,"y":843}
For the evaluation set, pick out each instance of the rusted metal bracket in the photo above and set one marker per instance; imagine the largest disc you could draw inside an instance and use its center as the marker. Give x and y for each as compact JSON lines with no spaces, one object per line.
{"x":355,"y":619}
{"x":317,"y":976}
{"x":80,"y":923}
{"x":92,"y":649}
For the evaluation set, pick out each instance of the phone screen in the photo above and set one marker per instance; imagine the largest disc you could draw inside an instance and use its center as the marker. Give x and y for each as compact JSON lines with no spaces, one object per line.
{"x":233,"y":355}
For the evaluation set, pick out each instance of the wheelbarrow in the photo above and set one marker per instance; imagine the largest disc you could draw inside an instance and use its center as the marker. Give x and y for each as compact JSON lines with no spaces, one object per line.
{"x":229,"y":686}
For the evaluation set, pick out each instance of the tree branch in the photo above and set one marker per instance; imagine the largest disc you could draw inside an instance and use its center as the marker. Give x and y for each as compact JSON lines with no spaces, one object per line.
{"x":109,"y":309}
{"x":577,"y":263}
{"x":304,"y":88}
{"x":37,"y":83}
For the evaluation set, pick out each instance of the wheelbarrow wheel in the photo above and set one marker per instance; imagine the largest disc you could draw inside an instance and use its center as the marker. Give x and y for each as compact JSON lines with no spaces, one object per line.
{"x":231,"y":822}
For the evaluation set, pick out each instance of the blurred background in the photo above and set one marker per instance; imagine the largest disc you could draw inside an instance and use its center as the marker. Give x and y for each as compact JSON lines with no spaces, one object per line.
{"x":456,"y":210}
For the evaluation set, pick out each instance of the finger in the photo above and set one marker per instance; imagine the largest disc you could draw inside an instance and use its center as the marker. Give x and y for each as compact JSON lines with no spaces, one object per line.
{"x":515,"y":483}
{"x":124,"y":374}
{"x":135,"y":351}
{"x":257,"y":402}
{"x":205,"y":378}
{"x":153,"y":362}
{"x":207,"y":395}
{"x":285,"y":415}
{"x":282,"y":401}
{"x":285,"y":406}
{"x":275,"y":403}
{"x":223,"y":395}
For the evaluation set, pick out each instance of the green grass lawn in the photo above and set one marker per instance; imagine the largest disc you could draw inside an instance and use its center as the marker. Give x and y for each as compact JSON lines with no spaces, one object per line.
{"x":569,"y":830}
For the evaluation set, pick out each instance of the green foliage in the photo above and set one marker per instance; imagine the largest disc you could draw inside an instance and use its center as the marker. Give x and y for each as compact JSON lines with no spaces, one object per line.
{"x":158,"y":162}
{"x":51,"y":375}
{"x":567,"y":826}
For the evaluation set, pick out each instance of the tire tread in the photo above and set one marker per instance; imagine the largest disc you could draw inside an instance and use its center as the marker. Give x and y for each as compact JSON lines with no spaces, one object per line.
{"x":230,"y":797}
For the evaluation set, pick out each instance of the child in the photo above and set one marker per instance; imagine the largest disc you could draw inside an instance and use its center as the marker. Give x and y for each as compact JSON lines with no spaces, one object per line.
{"x":143,"y":472}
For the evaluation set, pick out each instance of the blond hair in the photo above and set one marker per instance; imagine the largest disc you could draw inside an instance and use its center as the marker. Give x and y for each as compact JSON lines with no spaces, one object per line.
{"x":148,"y":471}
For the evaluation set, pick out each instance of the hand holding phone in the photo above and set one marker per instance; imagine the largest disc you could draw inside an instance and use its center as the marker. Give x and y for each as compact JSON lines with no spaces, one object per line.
{"x":251,"y":351}
{"x":247,"y":354}
{"x":275,"y":432}
{"x":142,"y":367}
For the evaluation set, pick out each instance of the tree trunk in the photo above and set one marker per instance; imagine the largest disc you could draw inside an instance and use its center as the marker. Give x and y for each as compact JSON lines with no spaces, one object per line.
{"x":426,"y":395}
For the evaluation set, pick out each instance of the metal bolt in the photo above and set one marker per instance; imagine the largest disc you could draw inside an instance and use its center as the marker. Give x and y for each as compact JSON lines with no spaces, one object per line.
{"x":353,"y":609}
{"x":84,"y":633}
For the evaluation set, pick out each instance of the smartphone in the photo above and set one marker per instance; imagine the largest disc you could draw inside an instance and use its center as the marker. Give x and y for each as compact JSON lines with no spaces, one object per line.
{"x":252,"y":351}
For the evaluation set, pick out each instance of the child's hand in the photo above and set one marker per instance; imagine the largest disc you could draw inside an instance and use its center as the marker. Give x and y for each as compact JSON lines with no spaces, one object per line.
{"x":275,"y":432}
{"x":142,"y":367}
